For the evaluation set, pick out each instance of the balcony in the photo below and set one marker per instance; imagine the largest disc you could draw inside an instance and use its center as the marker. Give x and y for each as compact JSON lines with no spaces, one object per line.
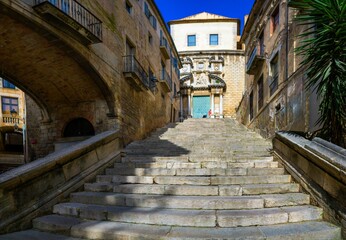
{"x":166,"y":81}
{"x":10,"y":120}
{"x":164,"y":48}
{"x":255,"y":61}
{"x":135,"y":74}
{"x":72,"y":18}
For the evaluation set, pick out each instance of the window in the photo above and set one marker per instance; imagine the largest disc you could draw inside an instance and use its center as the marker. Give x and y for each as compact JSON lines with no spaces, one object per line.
{"x":146,"y":10}
{"x":130,"y":49}
{"x":251,"y":105}
{"x":9,"y":104}
{"x":191,"y":40}
{"x":7,"y":84}
{"x":163,"y":70}
{"x":150,"y":16}
{"x":175,"y":90}
{"x":128,"y":7}
{"x":150,"y":38}
{"x":260,"y":93}
{"x":261,"y":44}
{"x":275,"y":18}
{"x":214,"y":39}
{"x":152,"y":81}
{"x":274,"y":68}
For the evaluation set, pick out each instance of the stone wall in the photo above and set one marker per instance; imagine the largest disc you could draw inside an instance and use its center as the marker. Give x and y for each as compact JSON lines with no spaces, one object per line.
{"x":290,"y":106}
{"x":320,"y":168}
{"x":234,"y":76}
{"x":68,"y":79}
{"x":32,"y":189}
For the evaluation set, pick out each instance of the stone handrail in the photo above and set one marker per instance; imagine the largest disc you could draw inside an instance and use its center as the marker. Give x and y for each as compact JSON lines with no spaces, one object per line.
{"x":320,"y":168}
{"x":30,"y":190}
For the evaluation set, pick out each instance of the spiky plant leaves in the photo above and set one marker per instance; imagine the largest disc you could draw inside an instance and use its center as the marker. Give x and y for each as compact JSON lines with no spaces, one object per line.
{"x":323,"y":46}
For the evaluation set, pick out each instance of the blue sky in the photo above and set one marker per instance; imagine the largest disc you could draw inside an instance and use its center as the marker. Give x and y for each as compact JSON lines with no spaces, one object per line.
{"x":176,"y":9}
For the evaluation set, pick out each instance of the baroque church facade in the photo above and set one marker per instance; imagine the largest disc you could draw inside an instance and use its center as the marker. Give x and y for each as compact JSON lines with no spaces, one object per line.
{"x":212,"y":77}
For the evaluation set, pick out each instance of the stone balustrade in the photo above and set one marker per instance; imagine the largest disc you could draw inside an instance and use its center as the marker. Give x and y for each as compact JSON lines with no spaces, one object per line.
{"x":32,"y":189}
{"x":320,"y":167}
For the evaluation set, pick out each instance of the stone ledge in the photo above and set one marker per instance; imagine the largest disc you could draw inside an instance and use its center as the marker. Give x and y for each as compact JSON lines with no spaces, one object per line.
{"x":323,"y":156}
{"x":320,"y":169}
{"x":17,"y":176}
{"x":32,"y":189}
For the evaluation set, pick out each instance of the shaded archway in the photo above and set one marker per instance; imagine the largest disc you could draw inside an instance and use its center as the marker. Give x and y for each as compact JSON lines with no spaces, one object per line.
{"x":61,"y":75}
{"x":79,"y":127}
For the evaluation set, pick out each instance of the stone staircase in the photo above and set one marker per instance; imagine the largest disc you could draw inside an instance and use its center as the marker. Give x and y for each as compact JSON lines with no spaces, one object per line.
{"x":201,"y":179}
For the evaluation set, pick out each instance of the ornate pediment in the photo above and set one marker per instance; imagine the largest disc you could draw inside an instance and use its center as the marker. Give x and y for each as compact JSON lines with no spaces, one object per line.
{"x":202,"y":81}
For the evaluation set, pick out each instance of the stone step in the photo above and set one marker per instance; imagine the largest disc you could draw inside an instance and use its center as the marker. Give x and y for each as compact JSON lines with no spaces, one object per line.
{"x":270,"y":216}
{"x":113,"y":230}
{"x":186,"y":217}
{"x":221,"y":180}
{"x":193,"y":190}
{"x":196,"y":159}
{"x":192,"y":180}
{"x":193,"y":148}
{"x":191,"y":202}
{"x":36,"y":235}
{"x":198,"y":165}
{"x":194,"y":172}
{"x":171,"y":217}
{"x":55,"y":223}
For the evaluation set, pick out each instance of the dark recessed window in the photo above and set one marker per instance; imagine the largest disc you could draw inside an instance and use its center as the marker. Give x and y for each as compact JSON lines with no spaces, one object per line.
{"x":275,"y":19}
{"x":251,"y":105}
{"x":191,"y":40}
{"x":260,"y":93}
{"x":274,"y":68}
{"x":213,"y":39}
{"x":150,"y":38}
{"x":128,"y":7}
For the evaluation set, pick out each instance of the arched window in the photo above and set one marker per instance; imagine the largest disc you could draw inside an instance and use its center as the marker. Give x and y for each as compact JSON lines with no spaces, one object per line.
{"x":79,"y":127}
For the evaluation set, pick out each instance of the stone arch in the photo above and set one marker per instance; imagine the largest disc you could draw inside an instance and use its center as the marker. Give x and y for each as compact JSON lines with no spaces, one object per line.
{"x":218,"y":82}
{"x":78,"y":127}
{"x":62,"y":67}
{"x":41,"y":104}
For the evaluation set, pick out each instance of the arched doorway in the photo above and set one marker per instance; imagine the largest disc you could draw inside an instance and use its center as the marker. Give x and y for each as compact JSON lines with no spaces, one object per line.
{"x":79,"y":127}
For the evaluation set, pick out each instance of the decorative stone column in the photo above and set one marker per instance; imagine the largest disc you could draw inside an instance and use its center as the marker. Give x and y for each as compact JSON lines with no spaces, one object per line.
{"x":191,"y":104}
{"x":221,"y":105}
{"x":181,"y":118}
{"x":212,"y":102}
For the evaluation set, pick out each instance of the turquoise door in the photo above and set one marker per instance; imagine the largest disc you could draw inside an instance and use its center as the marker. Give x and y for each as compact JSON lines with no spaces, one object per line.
{"x":201,"y":106}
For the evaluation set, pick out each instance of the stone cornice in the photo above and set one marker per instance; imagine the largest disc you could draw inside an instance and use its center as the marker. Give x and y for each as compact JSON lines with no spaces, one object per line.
{"x":211,"y":52}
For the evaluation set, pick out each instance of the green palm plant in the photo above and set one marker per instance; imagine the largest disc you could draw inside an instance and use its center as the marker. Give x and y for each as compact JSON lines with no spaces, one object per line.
{"x":323,"y":48}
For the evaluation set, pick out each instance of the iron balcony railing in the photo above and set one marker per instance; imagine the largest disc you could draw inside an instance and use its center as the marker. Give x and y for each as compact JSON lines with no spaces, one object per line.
{"x":257,"y":52}
{"x":163,"y":42}
{"x":79,"y":13}
{"x":251,"y":59}
{"x":164,"y":48}
{"x":166,"y":78}
{"x":131,"y":65}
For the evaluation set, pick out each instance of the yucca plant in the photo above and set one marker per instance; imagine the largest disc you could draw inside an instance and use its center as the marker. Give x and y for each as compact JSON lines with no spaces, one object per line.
{"x":323,"y":47}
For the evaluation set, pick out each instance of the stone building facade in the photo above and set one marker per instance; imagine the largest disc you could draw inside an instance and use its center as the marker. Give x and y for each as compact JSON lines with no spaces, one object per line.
{"x":12,"y":122}
{"x":275,"y":97}
{"x":89,"y":66}
{"x":212,"y":77}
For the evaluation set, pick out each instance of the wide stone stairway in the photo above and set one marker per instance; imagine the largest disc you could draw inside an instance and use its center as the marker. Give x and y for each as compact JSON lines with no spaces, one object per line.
{"x":201,"y":179}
